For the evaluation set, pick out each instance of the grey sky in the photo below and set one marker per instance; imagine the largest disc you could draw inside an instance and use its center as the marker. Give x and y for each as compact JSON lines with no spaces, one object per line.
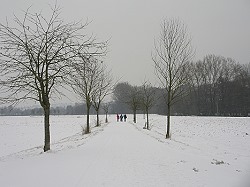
{"x":220,"y":27}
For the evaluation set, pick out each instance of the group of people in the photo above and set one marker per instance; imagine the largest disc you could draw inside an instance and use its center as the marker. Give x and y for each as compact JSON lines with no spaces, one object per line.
{"x":121,"y":117}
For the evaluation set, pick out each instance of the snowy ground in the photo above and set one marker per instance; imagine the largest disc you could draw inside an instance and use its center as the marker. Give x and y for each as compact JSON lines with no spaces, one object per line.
{"x":203,"y":151}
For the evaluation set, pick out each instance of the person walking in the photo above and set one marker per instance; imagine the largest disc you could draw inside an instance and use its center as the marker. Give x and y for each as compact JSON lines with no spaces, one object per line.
{"x":117,"y":117}
{"x":125,"y":117}
{"x":121,"y":116}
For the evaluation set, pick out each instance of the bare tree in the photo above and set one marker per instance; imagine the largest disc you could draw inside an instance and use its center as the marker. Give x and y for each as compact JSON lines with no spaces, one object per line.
{"x":213,"y":66}
{"x":103,"y":88}
{"x":105,"y":107}
{"x":36,"y":55}
{"x":196,"y":74}
{"x":85,"y":79}
{"x":148,"y":99}
{"x":172,"y":53}
{"x":130,"y":95}
{"x":134,"y":100}
{"x":215,"y":71}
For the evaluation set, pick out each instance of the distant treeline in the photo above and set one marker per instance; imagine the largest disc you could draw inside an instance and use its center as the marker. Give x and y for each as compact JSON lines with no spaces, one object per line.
{"x":218,"y":86}
{"x":77,"y":109}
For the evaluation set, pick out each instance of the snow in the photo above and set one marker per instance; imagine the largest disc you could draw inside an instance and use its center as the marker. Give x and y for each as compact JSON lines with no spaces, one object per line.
{"x":202,"y":151}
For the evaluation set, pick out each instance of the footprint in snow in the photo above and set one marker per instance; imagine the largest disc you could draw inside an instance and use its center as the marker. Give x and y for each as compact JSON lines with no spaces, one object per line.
{"x":195,"y":170}
{"x":217,"y":162}
{"x":182,"y":161}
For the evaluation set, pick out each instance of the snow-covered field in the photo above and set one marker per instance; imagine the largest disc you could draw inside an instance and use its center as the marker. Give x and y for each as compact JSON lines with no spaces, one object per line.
{"x":203,"y":151}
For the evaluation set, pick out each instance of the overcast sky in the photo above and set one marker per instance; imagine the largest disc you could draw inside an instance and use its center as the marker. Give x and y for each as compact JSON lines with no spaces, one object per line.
{"x":220,"y":27}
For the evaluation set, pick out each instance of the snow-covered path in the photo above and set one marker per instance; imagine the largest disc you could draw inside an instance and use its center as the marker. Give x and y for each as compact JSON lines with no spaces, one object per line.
{"x":119,"y":156}
{"x":123,"y":154}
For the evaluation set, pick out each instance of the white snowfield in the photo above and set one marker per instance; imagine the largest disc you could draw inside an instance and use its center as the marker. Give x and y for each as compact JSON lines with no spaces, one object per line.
{"x":202,"y":151}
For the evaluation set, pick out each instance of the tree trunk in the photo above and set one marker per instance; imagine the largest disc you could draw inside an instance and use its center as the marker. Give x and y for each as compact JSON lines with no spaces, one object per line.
{"x":88,"y":128}
{"x":168,"y":122}
{"x":46,"y":128}
{"x":106,"y":121}
{"x":147,"y":121}
{"x":134,"y":116}
{"x":168,"y":114}
{"x":97,"y":118}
